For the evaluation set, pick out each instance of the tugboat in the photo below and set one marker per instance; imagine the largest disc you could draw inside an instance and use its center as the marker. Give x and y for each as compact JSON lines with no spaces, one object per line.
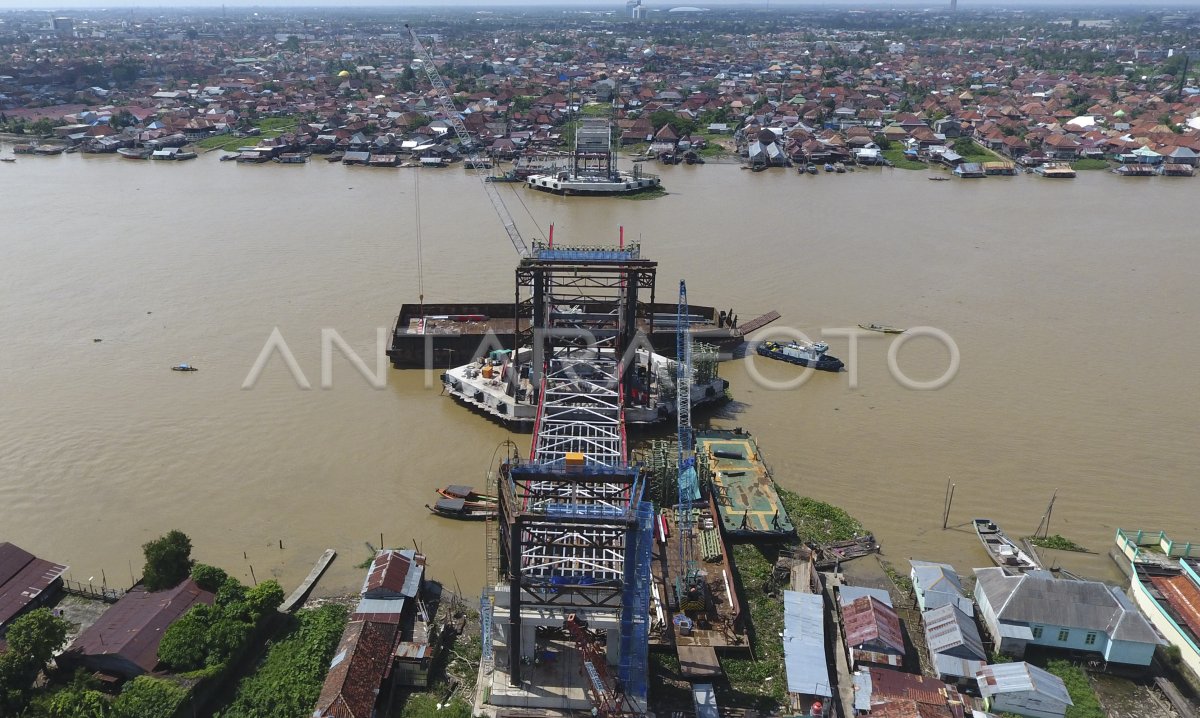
{"x":812,"y":355}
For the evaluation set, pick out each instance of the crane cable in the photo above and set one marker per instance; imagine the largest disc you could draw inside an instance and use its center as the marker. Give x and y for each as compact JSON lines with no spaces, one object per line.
{"x":417,"y":218}
{"x":526,"y":208}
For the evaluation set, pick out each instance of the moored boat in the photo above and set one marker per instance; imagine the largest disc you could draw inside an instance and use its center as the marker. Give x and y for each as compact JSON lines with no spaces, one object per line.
{"x":810,"y":355}
{"x":462,"y":510}
{"x":811,"y":169}
{"x":466,"y":493}
{"x":1001,"y":549}
{"x":184,"y":367}
{"x":885,"y":328}
{"x":134,"y":153}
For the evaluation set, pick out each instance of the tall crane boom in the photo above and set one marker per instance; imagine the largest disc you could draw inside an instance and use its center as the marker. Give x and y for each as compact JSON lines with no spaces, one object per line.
{"x":688,"y":485}
{"x":464,"y":137}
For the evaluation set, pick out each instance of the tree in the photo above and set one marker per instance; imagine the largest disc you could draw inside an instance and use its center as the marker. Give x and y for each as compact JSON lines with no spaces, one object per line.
{"x":168,"y":561}
{"x":208,"y":577}
{"x":146,"y":697}
{"x":183,"y":646}
{"x":32,"y":640}
{"x":36,"y":636}
{"x":264,"y":598}
{"x":965,"y":146}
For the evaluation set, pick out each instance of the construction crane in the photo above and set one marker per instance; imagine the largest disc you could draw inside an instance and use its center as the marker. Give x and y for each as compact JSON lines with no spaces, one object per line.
{"x":687,"y":587}
{"x":609,"y":701}
{"x":464,"y":137}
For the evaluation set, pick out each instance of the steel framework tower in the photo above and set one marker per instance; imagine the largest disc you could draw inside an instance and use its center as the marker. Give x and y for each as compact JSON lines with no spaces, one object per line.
{"x":575,"y":533}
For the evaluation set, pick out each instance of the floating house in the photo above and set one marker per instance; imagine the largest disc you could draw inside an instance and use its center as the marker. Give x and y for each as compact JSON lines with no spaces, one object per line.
{"x":937,"y":585}
{"x":1024,"y":690}
{"x":969,"y":170}
{"x":873,"y":634}
{"x":1035,"y":608}
{"x":1165,"y":576}
{"x":954,"y":643}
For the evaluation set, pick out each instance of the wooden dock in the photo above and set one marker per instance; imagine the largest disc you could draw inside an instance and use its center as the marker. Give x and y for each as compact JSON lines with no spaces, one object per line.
{"x":297,"y":597}
{"x":758,"y":323}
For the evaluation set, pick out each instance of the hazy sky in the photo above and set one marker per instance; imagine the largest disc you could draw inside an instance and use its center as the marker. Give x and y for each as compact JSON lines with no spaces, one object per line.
{"x":614,"y":4}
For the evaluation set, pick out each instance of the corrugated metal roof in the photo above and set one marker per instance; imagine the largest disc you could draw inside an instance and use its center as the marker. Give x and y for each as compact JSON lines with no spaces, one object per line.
{"x":393,"y":606}
{"x":956,"y":667}
{"x":133,"y":626}
{"x":23,"y":577}
{"x":862,"y":690}
{"x":950,"y":631}
{"x":848,"y":594}
{"x":869,"y":621}
{"x":887,"y":685}
{"x":394,"y":574}
{"x":804,"y":644}
{"x":704,"y":698}
{"x":1039,"y":598}
{"x":1020,"y":677}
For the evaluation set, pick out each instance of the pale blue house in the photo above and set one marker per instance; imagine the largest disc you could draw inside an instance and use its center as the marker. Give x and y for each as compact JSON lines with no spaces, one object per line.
{"x":937,"y":585}
{"x":1037,"y":609}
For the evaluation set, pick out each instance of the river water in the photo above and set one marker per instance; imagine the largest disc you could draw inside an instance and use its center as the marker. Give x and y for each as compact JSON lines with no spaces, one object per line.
{"x":1072,"y":304}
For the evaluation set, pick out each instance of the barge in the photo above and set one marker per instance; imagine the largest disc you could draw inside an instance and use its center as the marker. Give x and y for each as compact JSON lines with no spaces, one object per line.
{"x":452,"y":334}
{"x":742,"y":486}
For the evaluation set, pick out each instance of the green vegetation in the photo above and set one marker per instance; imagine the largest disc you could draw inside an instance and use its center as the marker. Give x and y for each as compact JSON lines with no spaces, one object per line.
{"x":460,"y":659}
{"x":758,"y":682}
{"x":902,"y":582}
{"x":817,"y":521}
{"x":32,"y":640}
{"x":1086,"y":705}
{"x":1090,"y":164}
{"x":652,"y":193}
{"x":168,"y":561}
{"x":210,"y":636}
{"x":897,"y":158}
{"x":596,"y":109}
{"x":972,"y":152}
{"x":270,"y":127}
{"x":147,"y":697}
{"x":1056,"y":542}
{"x":288,"y":681}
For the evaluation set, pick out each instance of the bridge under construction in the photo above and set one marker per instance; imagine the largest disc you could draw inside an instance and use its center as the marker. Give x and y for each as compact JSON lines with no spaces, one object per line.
{"x":566,"y":608}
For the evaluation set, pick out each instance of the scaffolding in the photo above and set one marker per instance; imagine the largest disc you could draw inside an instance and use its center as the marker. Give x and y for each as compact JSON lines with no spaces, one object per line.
{"x":574,"y":533}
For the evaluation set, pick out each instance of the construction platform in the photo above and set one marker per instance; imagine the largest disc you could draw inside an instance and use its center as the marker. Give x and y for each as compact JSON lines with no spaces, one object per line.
{"x":495,"y":391}
{"x":713,"y":619}
{"x":742,"y":486}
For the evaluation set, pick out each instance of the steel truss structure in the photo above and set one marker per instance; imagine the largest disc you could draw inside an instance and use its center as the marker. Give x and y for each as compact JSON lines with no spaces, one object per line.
{"x":574,"y":531}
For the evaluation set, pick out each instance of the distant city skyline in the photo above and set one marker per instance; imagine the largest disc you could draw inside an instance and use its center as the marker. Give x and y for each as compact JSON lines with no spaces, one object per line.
{"x":616,"y":6}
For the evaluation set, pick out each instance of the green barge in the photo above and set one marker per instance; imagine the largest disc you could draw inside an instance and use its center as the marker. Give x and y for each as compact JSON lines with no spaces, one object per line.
{"x":742,"y":486}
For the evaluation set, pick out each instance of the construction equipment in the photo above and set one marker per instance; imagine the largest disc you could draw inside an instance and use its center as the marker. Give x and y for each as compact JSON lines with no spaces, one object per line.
{"x":689,"y":587}
{"x":464,"y":137}
{"x":609,"y":701}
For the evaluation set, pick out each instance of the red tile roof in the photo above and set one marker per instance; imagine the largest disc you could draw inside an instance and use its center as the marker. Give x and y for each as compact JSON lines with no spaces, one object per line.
{"x":356,"y":673}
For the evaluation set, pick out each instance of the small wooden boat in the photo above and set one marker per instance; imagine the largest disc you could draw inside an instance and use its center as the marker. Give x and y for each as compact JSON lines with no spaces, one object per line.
{"x":886,"y":329}
{"x":462,"y":510}
{"x":811,"y":169}
{"x":8,"y":159}
{"x":135,"y":153}
{"x":938,"y":179}
{"x":1001,"y":549}
{"x":466,"y":493}
{"x":184,"y":367}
